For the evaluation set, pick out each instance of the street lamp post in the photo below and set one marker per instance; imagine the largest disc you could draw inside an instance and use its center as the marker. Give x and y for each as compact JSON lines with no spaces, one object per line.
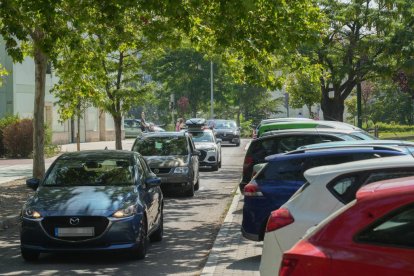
{"x":211,"y":91}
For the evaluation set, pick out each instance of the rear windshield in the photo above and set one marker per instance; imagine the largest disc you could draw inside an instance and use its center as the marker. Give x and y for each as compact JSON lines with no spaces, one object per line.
{"x":84,"y":172}
{"x":290,"y":170}
{"x":161,"y":146}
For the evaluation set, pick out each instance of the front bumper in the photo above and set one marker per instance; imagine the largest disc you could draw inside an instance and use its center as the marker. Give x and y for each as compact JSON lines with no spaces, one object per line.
{"x":229,"y":137}
{"x":119,"y":234}
{"x":208,"y":159}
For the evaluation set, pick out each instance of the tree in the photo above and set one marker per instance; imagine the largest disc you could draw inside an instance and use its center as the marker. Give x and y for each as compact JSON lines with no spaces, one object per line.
{"x":34,"y":27}
{"x":358,"y":46}
{"x":184,"y":73}
{"x":303,"y":90}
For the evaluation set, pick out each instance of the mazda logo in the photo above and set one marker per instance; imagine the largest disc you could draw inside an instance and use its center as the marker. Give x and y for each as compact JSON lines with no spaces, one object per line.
{"x":74,"y":221}
{"x":156,"y":170}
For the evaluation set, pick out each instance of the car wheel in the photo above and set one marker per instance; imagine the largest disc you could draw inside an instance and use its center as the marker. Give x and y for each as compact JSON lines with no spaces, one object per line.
{"x":141,"y":251}
{"x":238,"y":144}
{"x":215,"y":167}
{"x":159,"y":233}
{"x":29,"y":255}
{"x":190,"y":191}
{"x":197,"y":185}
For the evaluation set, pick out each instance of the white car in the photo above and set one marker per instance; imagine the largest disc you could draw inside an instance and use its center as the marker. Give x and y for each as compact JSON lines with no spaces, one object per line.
{"x":328,"y":188}
{"x":209,"y":147}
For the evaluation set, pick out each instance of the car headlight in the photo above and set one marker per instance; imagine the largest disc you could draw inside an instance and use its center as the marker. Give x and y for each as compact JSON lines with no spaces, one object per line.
{"x":210,"y":149}
{"x":182,"y":170}
{"x":31,"y":213}
{"x":127,"y":212}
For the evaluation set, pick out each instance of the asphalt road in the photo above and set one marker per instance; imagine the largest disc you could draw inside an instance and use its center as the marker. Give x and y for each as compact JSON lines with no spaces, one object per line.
{"x":190,"y":227}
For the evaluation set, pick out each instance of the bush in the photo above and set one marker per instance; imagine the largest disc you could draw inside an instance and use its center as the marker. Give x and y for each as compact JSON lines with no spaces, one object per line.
{"x":18,"y":138}
{"x":5,"y":122}
{"x":50,"y":149}
{"x":383,"y":127}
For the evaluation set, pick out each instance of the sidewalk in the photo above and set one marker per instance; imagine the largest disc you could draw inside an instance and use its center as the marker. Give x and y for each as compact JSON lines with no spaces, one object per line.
{"x":231,"y":253}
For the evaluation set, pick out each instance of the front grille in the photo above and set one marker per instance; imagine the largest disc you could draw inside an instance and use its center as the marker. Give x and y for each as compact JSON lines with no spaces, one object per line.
{"x":160,"y":170}
{"x":51,"y":223}
{"x":227,"y":136}
{"x":202,"y":155}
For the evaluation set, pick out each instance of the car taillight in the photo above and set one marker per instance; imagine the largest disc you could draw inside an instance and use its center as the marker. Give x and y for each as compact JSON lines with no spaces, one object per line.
{"x":248,"y":162}
{"x":278,"y":219}
{"x":287,"y":266}
{"x":252,"y":190}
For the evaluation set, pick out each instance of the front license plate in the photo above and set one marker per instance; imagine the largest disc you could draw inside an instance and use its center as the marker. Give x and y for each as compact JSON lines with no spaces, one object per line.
{"x":75,"y":232}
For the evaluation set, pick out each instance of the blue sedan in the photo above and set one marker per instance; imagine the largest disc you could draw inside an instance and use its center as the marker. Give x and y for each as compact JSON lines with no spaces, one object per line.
{"x":93,"y":201}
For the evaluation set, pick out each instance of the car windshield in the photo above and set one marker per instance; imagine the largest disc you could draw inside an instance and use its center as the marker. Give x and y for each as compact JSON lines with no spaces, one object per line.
{"x":84,"y":172}
{"x":161,"y":146}
{"x":225,"y":124}
{"x":202,"y":137}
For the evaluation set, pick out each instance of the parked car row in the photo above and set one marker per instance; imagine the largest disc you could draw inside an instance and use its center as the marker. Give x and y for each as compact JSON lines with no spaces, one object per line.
{"x":329,"y":194}
{"x":107,"y":200}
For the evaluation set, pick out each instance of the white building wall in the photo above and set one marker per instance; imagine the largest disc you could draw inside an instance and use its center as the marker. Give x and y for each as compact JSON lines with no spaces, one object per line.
{"x":23,"y":94}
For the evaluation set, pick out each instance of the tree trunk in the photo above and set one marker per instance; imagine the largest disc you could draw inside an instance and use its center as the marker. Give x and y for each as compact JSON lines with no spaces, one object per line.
{"x":78,"y":132}
{"x":333,"y":109}
{"x":40,"y":60}
{"x":118,"y":138}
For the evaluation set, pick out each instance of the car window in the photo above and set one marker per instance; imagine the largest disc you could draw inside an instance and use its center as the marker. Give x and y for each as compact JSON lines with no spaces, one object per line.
{"x":161,"y":146}
{"x":141,"y":170}
{"x":202,"y":136}
{"x":99,"y":172}
{"x":283,"y":170}
{"x":377,"y":176}
{"x":395,"y":229}
{"x":317,"y":161}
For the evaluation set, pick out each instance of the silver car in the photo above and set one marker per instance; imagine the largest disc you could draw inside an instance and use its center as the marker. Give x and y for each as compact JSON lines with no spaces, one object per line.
{"x":172,"y":156}
{"x":209,"y":147}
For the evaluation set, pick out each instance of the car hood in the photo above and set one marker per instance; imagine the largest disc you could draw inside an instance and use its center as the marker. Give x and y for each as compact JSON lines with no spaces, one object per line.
{"x":201,"y":146}
{"x":82,"y":200}
{"x":167,"y":161}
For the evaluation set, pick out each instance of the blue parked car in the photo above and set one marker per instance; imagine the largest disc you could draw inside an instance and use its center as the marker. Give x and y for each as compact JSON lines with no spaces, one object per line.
{"x":282,"y":176}
{"x":103,"y":200}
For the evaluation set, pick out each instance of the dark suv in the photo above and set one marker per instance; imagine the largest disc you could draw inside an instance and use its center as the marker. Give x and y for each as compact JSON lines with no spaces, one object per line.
{"x":287,"y":140}
{"x":226,"y":130}
{"x":173,"y":157}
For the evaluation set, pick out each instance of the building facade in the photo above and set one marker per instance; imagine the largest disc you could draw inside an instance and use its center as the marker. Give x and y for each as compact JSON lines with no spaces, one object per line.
{"x":17,"y":98}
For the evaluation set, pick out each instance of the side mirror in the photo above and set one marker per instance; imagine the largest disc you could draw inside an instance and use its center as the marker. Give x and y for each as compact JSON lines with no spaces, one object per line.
{"x":219,"y":140}
{"x":196,"y":153}
{"x":153,"y":181}
{"x":33,"y":183}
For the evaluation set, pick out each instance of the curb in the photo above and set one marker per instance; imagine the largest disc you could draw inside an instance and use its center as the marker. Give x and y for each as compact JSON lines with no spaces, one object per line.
{"x":5,"y":222}
{"x":219,"y":245}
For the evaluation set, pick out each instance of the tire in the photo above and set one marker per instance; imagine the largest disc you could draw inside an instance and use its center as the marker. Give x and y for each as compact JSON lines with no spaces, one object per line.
{"x":29,"y":255}
{"x":141,"y":251}
{"x":190,"y":191}
{"x":215,"y":167}
{"x":238,"y":144}
{"x":159,"y":233}
{"x":197,"y":185}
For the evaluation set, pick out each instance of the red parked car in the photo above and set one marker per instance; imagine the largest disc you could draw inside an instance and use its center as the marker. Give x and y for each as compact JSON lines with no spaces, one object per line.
{"x":373,"y":235}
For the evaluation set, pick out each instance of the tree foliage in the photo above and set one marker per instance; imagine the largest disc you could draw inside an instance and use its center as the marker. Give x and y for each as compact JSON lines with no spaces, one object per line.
{"x":303,"y":90}
{"x":358,"y":45}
